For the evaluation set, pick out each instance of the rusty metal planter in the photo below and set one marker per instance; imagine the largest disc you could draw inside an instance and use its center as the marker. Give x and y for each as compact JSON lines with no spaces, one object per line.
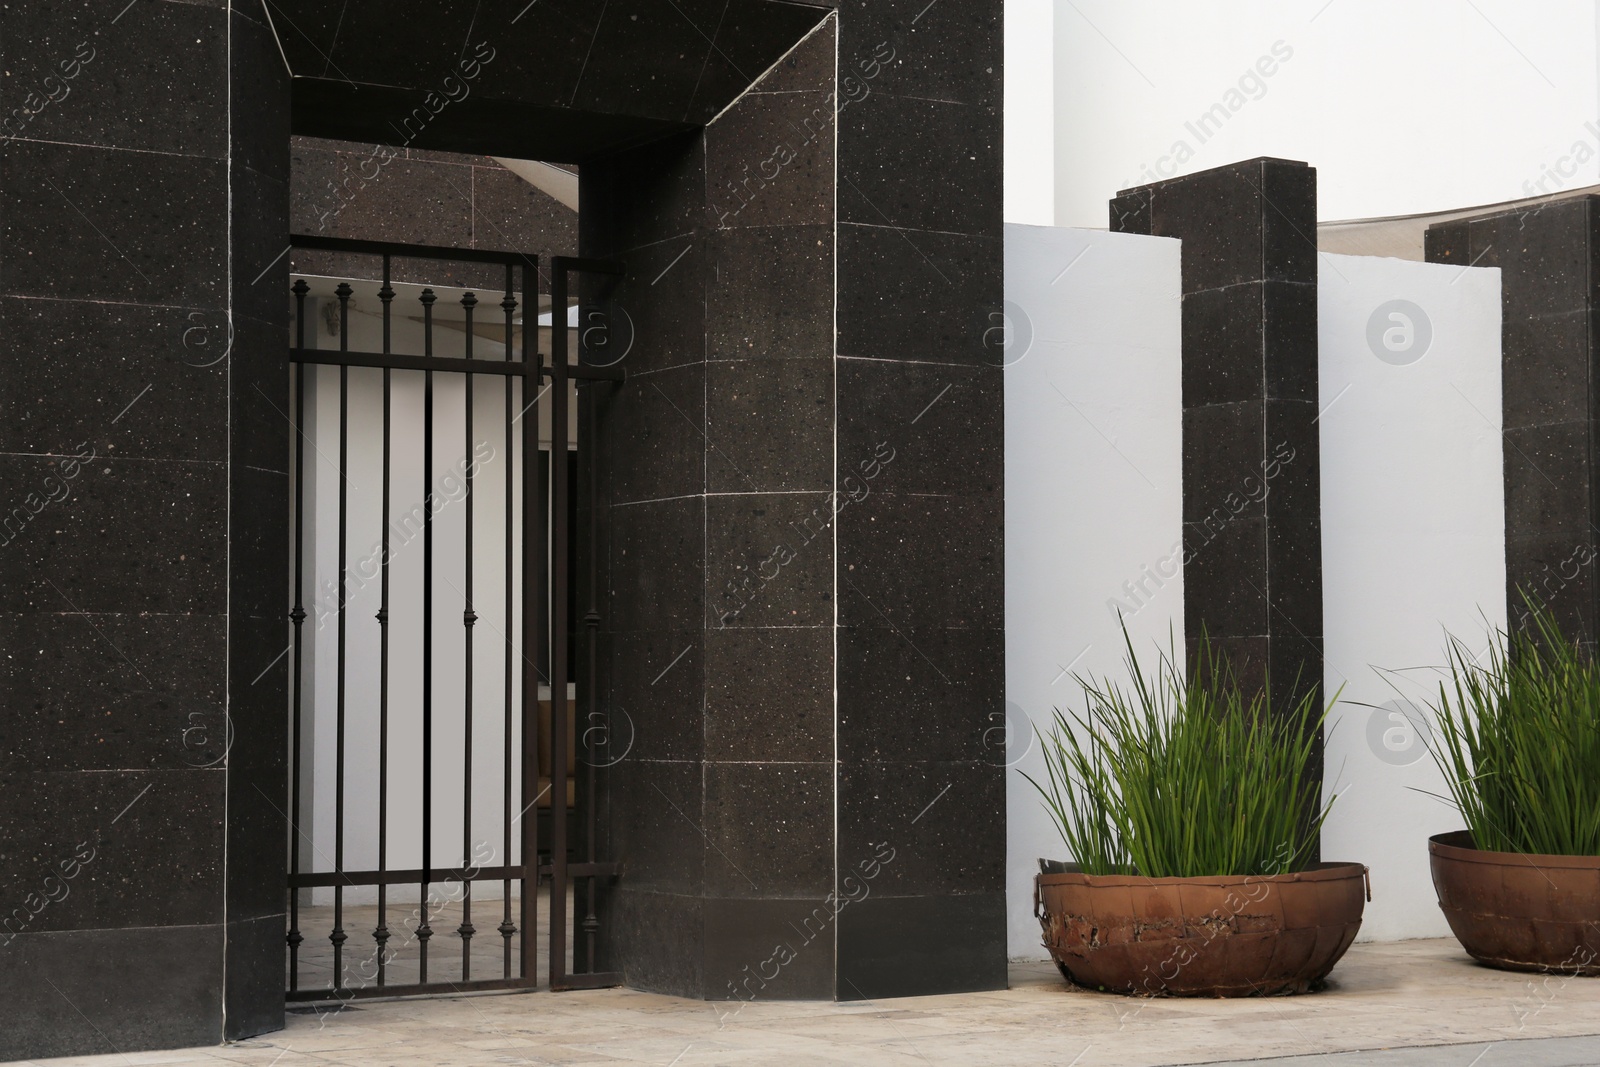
{"x":1228,"y":936}
{"x":1519,"y":912}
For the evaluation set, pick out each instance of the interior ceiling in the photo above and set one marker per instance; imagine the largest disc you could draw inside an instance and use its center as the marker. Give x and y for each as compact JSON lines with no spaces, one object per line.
{"x":549,"y":79}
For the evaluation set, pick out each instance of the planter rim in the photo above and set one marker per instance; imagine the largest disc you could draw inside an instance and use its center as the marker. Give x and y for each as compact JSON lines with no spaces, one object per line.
{"x":1322,"y":872}
{"x":1457,"y":845}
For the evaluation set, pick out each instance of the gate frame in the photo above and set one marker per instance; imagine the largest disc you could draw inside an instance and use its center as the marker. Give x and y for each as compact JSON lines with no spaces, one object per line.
{"x":551,"y":632}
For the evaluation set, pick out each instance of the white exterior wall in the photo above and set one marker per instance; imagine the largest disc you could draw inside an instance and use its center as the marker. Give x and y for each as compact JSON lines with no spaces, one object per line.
{"x":1413,"y":545}
{"x":1413,"y":521}
{"x":1093,"y":492}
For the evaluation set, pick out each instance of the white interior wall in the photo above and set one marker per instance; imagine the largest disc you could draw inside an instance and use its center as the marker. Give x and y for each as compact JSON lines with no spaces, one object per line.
{"x":1093,"y":493}
{"x":1413,"y":545}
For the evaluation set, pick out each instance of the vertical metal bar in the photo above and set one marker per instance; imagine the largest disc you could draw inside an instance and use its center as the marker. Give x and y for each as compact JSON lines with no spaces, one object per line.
{"x":532,"y":628}
{"x":468,"y":617}
{"x":425,"y":931}
{"x":587,"y":410}
{"x":338,"y":937}
{"x":507,"y":927}
{"x":297,"y":615}
{"x":558,"y":624}
{"x":381,"y":934}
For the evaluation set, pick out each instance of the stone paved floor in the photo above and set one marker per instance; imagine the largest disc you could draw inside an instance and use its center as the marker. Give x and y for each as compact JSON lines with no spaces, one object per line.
{"x":1413,"y":996}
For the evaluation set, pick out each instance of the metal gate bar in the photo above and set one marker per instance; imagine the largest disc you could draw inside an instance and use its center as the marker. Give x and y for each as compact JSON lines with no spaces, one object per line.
{"x":545,"y":624}
{"x":562,"y":371}
{"x":341,"y":878}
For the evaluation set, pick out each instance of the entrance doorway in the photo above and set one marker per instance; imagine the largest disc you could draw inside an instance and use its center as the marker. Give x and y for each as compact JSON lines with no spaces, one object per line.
{"x":443,"y":822}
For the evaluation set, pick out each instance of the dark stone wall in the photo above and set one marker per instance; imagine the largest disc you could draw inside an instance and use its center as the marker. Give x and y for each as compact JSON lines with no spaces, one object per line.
{"x":343,"y":189}
{"x":805,"y":471}
{"x":1252,"y":508}
{"x":921,"y":641}
{"x":142,"y":614}
{"x":716,"y":452}
{"x":826,"y":337}
{"x":1547,"y":257}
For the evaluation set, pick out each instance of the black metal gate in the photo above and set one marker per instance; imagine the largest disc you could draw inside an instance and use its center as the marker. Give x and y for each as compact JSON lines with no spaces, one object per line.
{"x":388,"y":696}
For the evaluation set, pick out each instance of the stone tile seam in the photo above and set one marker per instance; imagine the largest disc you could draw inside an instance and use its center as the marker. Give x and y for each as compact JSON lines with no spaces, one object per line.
{"x":1249,"y":281}
{"x":920,"y":362}
{"x":822,"y":23}
{"x":222,"y":158}
{"x":107,"y":303}
{"x":919,"y":229}
{"x":123,"y":459}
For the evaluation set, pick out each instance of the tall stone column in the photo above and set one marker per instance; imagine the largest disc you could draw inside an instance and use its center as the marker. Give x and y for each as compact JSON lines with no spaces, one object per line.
{"x":1251,"y":478}
{"x":805,"y":543}
{"x":1550,"y":353}
{"x":141,"y":708}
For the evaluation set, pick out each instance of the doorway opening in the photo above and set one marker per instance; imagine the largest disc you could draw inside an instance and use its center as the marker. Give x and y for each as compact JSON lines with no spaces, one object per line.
{"x":443,"y":803}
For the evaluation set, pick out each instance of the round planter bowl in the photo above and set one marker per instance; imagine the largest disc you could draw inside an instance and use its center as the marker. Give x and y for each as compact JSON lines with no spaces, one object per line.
{"x":1517,"y":912}
{"x":1230,"y":936}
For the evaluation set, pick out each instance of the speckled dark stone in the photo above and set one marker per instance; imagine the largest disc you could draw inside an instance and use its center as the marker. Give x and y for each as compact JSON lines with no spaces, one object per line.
{"x":726,"y":435}
{"x":889,"y":146}
{"x":922,"y":561}
{"x":1254,"y":575}
{"x":60,"y":396}
{"x":137,"y":535}
{"x":255,"y":1001}
{"x":126,"y":665}
{"x":1547,"y":257}
{"x":662,"y":454}
{"x":683,"y":61}
{"x":899,"y":678}
{"x":788,"y":850}
{"x":510,"y":215}
{"x":934,"y":815}
{"x":663,"y":300}
{"x":752,"y":265}
{"x":769,"y":694}
{"x":96,"y":224}
{"x":769,"y":425}
{"x":151,"y":987}
{"x":885,"y":949}
{"x":766,"y":548}
{"x":111,"y":692}
{"x":656,"y":814}
{"x":657,"y":565}
{"x":171,"y":836}
{"x":914,"y":295}
{"x":656,"y":695}
{"x":922,"y":427}
{"x":947,"y":52}
{"x":252,"y":742}
{"x":169,"y":58}
{"x":770,"y":161}
{"x":743,"y":960}
{"x":672,"y":923}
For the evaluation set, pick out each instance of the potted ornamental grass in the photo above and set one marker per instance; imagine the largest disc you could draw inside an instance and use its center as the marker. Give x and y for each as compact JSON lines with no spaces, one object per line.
{"x":1191,"y":811}
{"x":1518,"y":741}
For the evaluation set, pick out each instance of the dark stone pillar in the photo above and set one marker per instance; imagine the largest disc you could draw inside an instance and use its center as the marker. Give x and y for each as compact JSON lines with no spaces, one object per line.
{"x":921,"y":581}
{"x":1252,"y":507}
{"x":804,"y":475}
{"x":258,"y":538}
{"x":142,"y":611}
{"x":716,"y":451}
{"x":1547,"y":257}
